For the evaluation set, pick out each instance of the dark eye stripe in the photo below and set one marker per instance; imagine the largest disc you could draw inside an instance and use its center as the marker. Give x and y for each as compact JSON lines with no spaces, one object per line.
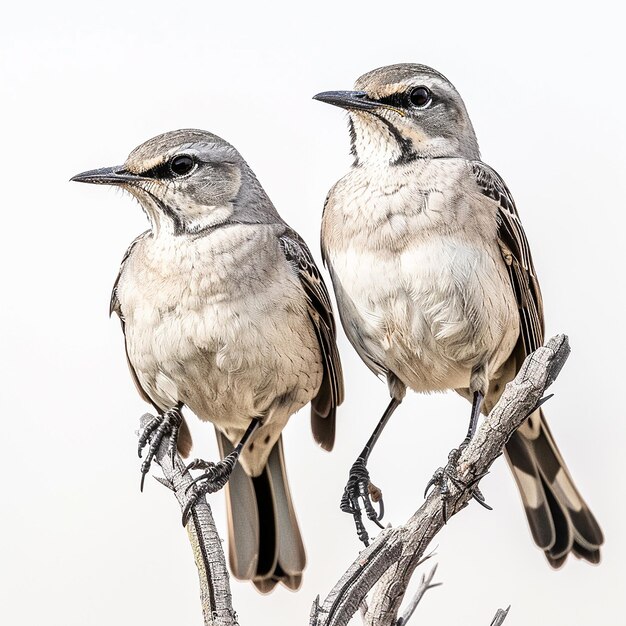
{"x":159,"y":171}
{"x":397,"y":100}
{"x":167,"y":170}
{"x":402,"y":99}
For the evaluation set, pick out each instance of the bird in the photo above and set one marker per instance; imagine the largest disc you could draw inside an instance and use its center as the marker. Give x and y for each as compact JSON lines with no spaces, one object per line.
{"x":224,"y":312}
{"x":435,"y":285}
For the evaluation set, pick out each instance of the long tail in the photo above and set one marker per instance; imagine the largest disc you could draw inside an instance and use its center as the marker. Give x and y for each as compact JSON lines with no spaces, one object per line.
{"x":559,"y":518}
{"x":265,"y":545}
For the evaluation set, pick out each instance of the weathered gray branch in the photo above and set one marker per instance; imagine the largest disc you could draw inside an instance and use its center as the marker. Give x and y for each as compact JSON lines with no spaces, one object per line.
{"x":386,"y":566}
{"x":425,"y":584}
{"x":500,"y":616}
{"x":215,"y":596}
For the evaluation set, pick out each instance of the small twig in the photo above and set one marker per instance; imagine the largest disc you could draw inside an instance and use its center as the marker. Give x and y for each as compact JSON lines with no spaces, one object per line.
{"x":425,"y":584}
{"x":215,"y":594}
{"x":500,"y":616}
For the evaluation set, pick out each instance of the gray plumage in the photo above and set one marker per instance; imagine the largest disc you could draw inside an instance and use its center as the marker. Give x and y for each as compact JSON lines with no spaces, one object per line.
{"x":224,"y":311}
{"x":435,"y":284}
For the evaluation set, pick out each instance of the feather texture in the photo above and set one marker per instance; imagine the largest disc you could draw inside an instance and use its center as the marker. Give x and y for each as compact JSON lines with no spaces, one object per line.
{"x":331,"y":392}
{"x":559,"y":519}
{"x":265,"y":545}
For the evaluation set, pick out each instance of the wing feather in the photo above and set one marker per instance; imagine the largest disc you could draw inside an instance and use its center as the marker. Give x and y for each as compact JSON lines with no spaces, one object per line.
{"x":331,"y":392}
{"x":516,"y":254}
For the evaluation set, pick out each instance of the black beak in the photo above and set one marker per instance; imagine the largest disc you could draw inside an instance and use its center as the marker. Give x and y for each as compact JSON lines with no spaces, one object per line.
{"x":348,"y":99}
{"x":106,"y":176}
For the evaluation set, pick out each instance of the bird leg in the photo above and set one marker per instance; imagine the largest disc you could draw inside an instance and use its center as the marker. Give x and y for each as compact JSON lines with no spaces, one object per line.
{"x":165,"y":424}
{"x":359,"y":486}
{"x":444,"y":475}
{"x":216,"y":475}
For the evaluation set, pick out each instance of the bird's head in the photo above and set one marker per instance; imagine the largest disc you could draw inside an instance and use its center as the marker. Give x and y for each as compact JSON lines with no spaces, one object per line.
{"x":187,"y":181}
{"x":405,"y":111}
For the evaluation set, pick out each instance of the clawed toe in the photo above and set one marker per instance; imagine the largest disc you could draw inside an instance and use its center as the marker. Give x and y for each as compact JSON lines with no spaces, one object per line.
{"x":198,"y":464}
{"x":189,"y":506}
{"x":444,"y":476}
{"x":146,"y":433}
{"x":215,"y":476}
{"x":164,"y":425}
{"x":437,"y":479}
{"x":359,"y":489}
{"x":214,"y":473}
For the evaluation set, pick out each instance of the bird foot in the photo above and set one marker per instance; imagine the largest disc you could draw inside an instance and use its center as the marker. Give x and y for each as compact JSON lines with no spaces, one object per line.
{"x":360,"y":488}
{"x":443,"y":476}
{"x":215,"y":476}
{"x":160,"y":426}
{"x":199,"y":464}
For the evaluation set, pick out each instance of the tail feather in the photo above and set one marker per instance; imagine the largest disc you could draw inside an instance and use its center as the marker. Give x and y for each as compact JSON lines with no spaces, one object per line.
{"x":522,"y":463}
{"x":563,"y":528}
{"x":588,"y":532}
{"x":290,"y":550}
{"x":243,"y":520}
{"x":266,"y":548}
{"x":184,"y":442}
{"x":323,"y":426}
{"x":265,"y":545}
{"x":593,"y":556}
{"x":559,"y":518}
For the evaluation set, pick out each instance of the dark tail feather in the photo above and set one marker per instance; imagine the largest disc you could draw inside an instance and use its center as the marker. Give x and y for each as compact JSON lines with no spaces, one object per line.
{"x":184,"y":442}
{"x":264,"y":540}
{"x":323,"y":426}
{"x":560,"y":520}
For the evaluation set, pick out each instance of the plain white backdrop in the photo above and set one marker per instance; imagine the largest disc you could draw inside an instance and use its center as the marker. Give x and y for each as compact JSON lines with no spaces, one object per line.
{"x":82,"y":83}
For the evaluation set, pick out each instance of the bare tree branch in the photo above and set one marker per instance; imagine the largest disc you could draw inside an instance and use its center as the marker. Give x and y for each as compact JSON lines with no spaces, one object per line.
{"x":425,"y":584}
{"x":215,"y":595}
{"x":500,"y":616}
{"x":348,"y":594}
{"x":387,"y":565}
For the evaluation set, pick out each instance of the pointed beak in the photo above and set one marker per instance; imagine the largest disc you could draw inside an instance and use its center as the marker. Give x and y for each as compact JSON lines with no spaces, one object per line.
{"x":348,"y":100}
{"x":107,"y":176}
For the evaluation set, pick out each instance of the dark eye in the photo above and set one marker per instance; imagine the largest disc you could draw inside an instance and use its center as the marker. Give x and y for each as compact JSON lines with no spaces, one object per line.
{"x":182,"y":164}
{"x":420,"y":97}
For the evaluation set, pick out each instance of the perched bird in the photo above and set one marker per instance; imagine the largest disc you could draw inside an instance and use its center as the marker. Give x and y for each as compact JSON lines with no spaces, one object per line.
{"x":435,"y":284}
{"x":224,"y":311}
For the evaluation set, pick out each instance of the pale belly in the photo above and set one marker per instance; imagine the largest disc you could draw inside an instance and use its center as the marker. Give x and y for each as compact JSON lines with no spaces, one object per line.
{"x":223,"y":328}
{"x":229,"y":365}
{"x":429,"y":314}
{"x":226,"y":364}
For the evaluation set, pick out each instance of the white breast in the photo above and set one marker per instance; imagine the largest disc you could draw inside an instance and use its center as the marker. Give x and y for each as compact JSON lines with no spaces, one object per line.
{"x":421,"y":286}
{"x":220,"y":324}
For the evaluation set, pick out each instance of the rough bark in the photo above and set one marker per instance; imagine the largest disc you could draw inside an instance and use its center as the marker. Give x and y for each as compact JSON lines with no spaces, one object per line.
{"x":215,"y":595}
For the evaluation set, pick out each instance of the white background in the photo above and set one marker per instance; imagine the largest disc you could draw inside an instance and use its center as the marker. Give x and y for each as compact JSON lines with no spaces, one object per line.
{"x":83,"y":83}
